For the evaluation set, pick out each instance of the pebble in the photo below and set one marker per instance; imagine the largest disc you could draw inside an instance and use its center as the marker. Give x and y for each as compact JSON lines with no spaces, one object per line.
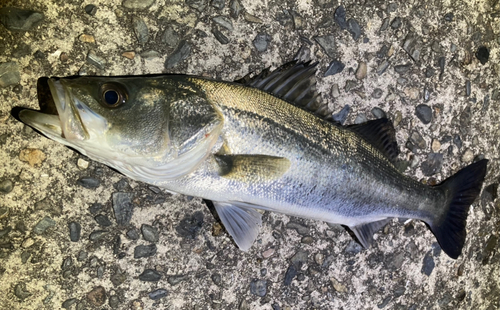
{"x":158,"y":294}
{"x":33,"y":157}
{"x":140,"y":29}
{"x":290,"y":273}
{"x":382,"y":67}
{"x":190,"y":225}
{"x":170,"y":37}
{"x":150,"y":233}
{"x":258,"y":287}
{"x":123,"y":207}
{"x":427,"y":94}
{"x":90,"y":9}
{"x":217,"y":279}
{"x":150,"y":54}
{"x":220,"y":36}
{"x":235,"y":8}
{"x":417,"y":140}
{"x":218,"y":4}
{"x":307,"y":240}
{"x":327,"y":43}
{"x":428,"y":264}
{"x":20,"y":291}
{"x":299,"y":228}
{"x":174,"y":280}
{"x":86,"y":38}
{"x":360,"y":119}
{"x":361,"y":71}
{"x":4,"y":232}
{"x":319,"y":258}
{"x":334,"y":68}
{"x":377,"y":93}
{"x":338,"y":286}
{"x":436,"y":145}
{"x":102,"y":220}
{"x":433,"y":164}
{"x":424,"y":113}
{"x":441,"y":63}
{"x":468,"y":156}
{"x":339,"y":17}
{"x":354,"y":28}
{"x":268,"y":253}
{"x":9,"y":74}
{"x":261,"y":42}
{"x":82,"y":256}
{"x":378,"y":113}
{"x":396,"y":23}
{"x":43,"y":225}
{"x":385,"y":302}
{"x":448,"y":17}
{"x":6,"y":186}
{"x":88,"y":182}
{"x":95,"y":208}
{"x":97,"y":296}
{"x":198,"y":5}
{"x":483,"y":54}
{"x":82,"y":163}
{"x":132,"y":234}
{"x":114,"y":301}
{"x":181,"y":52}
{"x":402,"y":69}
{"x":15,"y":19}
{"x":251,"y":18}
{"x":97,"y":235}
{"x":353,"y":248}
{"x":95,"y":60}
{"x":69,"y":302}
{"x":129,"y":55}
{"x":74,"y":231}
{"x":412,"y":46}
{"x":385,"y":25}
{"x":141,"y":251}
{"x":150,"y":275}
{"x":299,"y":258}
{"x":21,"y":50}
{"x":224,"y":22}
{"x":67,"y":263}
{"x":341,"y":116}
{"x":137,"y":4}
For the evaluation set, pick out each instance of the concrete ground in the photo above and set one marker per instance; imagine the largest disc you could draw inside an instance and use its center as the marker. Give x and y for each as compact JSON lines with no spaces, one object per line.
{"x":431,"y":66}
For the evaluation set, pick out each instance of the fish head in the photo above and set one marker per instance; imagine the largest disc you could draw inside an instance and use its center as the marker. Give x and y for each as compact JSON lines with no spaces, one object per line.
{"x":128,"y":123}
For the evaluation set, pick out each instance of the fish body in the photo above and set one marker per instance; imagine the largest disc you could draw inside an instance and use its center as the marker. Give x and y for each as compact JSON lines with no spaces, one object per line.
{"x":248,"y":147}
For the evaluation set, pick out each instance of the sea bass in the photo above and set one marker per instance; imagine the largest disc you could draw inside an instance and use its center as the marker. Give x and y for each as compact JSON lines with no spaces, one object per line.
{"x":252,"y":145}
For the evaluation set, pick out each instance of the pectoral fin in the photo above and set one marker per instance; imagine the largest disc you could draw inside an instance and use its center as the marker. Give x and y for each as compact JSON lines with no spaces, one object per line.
{"x":252,"y":168}
{"x":364,"y":232}
{"x":243,"y":224}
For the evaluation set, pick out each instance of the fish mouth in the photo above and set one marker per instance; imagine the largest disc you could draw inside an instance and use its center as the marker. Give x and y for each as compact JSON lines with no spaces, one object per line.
{"x":59,"y":116}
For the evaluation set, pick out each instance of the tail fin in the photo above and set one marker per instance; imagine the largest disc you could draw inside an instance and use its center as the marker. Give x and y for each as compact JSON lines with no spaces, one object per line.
{"x":462,"y":189}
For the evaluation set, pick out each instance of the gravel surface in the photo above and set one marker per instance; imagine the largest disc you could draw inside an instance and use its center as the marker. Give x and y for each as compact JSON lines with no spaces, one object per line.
{"x":75,"y":234}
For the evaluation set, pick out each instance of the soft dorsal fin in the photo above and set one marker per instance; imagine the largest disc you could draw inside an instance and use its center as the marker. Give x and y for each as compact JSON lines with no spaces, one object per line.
{"x":294,"y":82}
{"x":381,"y":134}
{"x":252,"y":168}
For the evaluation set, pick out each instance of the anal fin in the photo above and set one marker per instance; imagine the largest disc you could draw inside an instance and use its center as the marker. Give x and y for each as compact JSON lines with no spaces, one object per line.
{"x":364,"y":232}
{"x":243,"y":224}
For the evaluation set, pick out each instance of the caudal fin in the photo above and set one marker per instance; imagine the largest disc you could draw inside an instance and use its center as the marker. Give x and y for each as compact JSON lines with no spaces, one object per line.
{"x":462,"y":189}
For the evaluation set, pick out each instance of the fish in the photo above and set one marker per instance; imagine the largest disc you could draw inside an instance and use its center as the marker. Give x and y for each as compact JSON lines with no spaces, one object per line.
{"x":261,"y":143}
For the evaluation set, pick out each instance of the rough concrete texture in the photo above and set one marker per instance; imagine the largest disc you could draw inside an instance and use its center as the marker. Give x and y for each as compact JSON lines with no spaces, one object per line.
{"x":295,"y":263}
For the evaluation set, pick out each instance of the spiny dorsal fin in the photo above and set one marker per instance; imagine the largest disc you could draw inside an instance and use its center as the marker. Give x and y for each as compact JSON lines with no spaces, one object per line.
{"x":294,"y":82}
{"x":251,"y":168}
{"x":381,"y":134}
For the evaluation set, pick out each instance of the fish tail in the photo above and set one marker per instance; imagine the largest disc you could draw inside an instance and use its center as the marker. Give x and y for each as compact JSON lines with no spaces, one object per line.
{"x":462,"y":189}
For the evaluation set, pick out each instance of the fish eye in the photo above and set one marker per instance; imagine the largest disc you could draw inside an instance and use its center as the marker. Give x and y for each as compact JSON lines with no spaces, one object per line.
{"x":113,"y":95}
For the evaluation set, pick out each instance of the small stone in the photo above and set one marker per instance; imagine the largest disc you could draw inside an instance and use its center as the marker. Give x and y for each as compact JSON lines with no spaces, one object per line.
{"x":417,"y":140}
{"x":360,"y":119}
{"x":299,"y":228}
{"x":69,"y":302}
{"x":258,"y":287}
{"x":448,"y":17}
{"x":427,"y":94}
{"x":334,"y":68}
{"x":174,"y":280}
{"x":170,"y":37}
{"x":190,"y":225}
{"x":82,"y":164}
{"x":88,"y":182}
{"x":220,"y":36}
{"x":341,"y":117}
{"x":392,"y":7}
{"x":319,"y":258}
{"x":235,"y":8}
{"x":217,"y":279}
{"x":424,"y":113}
{"x":483,"y":54}
{"x":412,"y":46}
{"x":151,"y":54}
{"x":224,"y":22}
{"x":97,"y":235}
{"x":335,"y":90}
{"x":457,"y":141}
{"x":396,"y":23}
{"x":158,"y":294}
{"x":137,"y":4}
{"x":102,"y":220}
{"x":268,"y":253}
{"x":428,"y":264}
{"x":129,"y":55}
{"x":252,"y":18}
{"x":33,"y":157}
{"x":86,"y":38}
{"x":402,"y":69}
{"x":436,"y":145}
{"x":95,"y":208}
{"x":307,"y":240}
{"x":140,"y":29}
{"x":90,"y":9}
{"x":300,"y":258}
{"x":339,"y":17}
{"x":43,"y":225}
{"x":82,"y":256}
{"x":95,"y":60}
{"x":15,"y":19}
{"x":123,"y":207}
{"x":433,"y":164}
{"x":354,"y":28}
{"x":198,"y":5}
{"x":181,"y":52}
{"x":4,"y":232}
{"x":141,"y":251}
{"x":327,"y":43}
{"x":353,"y":248}
{"x":97,"y":297}
{"x":378,"y":113}
{"x":350,"y":85}
{"x":382,"y":67}
{"x":150,"y":275}
{"x":377,"y":93}
{"x":150,"y":233}
{"x":261,"y":42}
{"x":385,"y":25}
{"x":361,"y":71}
{"x":218,"y":4}
{"x":114,"y":301}
{"x":385,"y":302}
{"x":468,"y":156}
{"x":291,"y":272}
{"x":74,"y":231}
{"x":6,"y":186}
{"x":20,"y":291}
{"x":9,"y":74}
{"x":338,"y":286}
